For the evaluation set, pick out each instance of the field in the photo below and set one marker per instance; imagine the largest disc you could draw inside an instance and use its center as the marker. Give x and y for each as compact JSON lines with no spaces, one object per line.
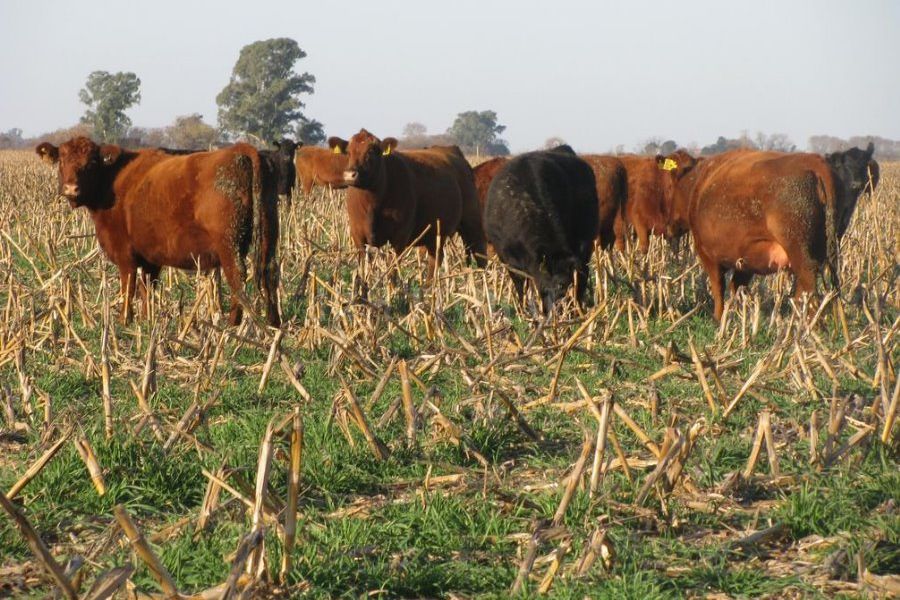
{"x":399,"y":438}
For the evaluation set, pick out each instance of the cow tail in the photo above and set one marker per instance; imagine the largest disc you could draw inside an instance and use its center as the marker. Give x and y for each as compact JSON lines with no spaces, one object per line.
{"x":265,"y":236}
{"x":832,"y":248}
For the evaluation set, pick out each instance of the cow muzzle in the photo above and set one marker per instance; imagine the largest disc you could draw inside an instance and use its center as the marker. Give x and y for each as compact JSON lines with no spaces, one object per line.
{"x":70,"y":190}
{"x":351,"y":177}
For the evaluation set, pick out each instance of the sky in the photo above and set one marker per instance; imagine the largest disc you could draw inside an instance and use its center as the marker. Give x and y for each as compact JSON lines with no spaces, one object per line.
{"x":598,"y":74}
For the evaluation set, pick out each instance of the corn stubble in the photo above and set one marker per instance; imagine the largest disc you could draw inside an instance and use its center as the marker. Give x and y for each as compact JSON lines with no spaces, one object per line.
{"x":635,"y":388}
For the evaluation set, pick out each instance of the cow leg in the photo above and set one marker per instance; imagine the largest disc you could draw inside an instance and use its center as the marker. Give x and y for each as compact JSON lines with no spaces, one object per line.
{"x":716,"y":287}
{"x":619,"y":232}
{"x":127,"y":277}
{"x":235,"y":273}
{"x":519,"y":285}
{"x":740,"y":279}
{"x":435,"y":255}
{"x":805,"y":270}
{"x":643,"y":235}
{"x":583,"y":284}
{"x":472,"y":234}
{"x":149,"y":277}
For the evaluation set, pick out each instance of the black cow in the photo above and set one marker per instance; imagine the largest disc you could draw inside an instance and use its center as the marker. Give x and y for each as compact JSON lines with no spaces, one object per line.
{"x":281,"y":164}
{"x":853,"y":167}
{"x":541,"y":217}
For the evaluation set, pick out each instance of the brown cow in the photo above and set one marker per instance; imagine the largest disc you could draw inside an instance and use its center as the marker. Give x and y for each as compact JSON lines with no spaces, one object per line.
{"x":320,"y":166}
{"x":484,"y":174}
{"x":151,"y":209}
{"x":612,"y":195}
{"x":648,"y":206}
{"x":757,"y":212}
{"x":400,"y":197}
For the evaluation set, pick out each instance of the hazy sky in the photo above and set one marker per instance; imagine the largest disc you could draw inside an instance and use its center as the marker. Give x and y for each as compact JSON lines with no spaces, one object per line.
{"x":597,"y":74}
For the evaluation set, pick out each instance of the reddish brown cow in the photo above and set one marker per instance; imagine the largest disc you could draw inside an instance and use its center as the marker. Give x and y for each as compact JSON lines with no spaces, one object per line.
{"x":318,"y":166}
{"x":400,"y":197}
{"x":151,"y":209}
{"x":649,"y":199}
{"x":612,"y":194}
{"x":484,"y":174}
{"x":757,"y":212}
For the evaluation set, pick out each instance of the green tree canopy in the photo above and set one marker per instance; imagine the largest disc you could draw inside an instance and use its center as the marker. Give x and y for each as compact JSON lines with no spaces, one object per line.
{"x":477,"y":132}
{"x":309,"y":131}
{"x":191,"y":133}
{"x":262,"y":98}
{"x":108,"y":96}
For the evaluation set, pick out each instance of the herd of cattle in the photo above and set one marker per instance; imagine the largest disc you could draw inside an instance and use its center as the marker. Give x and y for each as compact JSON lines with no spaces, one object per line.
{"x":750,"y":212}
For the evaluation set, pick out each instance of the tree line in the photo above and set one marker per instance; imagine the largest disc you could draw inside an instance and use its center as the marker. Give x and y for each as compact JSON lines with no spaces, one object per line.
{"x":262,"y":102}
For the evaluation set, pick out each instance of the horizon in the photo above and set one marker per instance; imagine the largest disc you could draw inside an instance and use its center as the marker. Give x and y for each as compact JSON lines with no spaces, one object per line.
{"x":690,"y":73}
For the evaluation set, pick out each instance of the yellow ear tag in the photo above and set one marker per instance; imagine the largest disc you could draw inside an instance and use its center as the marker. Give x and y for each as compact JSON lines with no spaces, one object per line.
{"x":669,"y":165}
{"x":337,"y":150}
{"x":386,"y":151}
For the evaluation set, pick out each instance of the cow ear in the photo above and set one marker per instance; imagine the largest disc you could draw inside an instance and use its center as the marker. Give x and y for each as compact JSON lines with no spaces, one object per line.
{"x":110,"y":153}
{"x":48,"y":152}
{"x":337,"y":144}
{"x":666,"y":164}
{"x":388,"y":145}
{"x":276,"y":144}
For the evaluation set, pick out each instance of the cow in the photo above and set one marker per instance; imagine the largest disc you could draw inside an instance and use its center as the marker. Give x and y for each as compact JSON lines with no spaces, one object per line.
{"x":320,"y":166}
{"x":411,"y":197}
{"x":612,"y":196}
{"x":280,"y":162}
{"x":484,"y":174}
{"x":648,"y":205}
{"x":151,"y":209}
{"x":755,"y":213}
{"x":542,"y":218}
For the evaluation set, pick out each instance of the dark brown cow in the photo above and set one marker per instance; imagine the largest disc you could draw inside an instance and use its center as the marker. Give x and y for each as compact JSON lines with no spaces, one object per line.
{"x":649,"y":199}
{"x":612,"y":195}
{"x":151,"y":209}
{"x":757,"y":212}
{"x":396,"y":196}
{"x":320,"y":166}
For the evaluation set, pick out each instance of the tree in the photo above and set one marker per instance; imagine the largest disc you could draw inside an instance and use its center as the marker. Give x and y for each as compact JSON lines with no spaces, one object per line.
{"x":190,"y":133}
{"x":668,"y":147}
{"x":310,"y":132}
{"x":12,"y":138}
{"x":108,"y":96}
{"x":415,"y":135}
{"x":477,"y":132}
{"x":779,"y":142}
{"x":150,"y":137}
{"x":414,"y":130}
{"x":262,"y":98}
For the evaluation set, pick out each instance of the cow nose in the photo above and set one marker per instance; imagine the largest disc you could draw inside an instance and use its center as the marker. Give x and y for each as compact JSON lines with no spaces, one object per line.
{"x":350,"y":177}
{"x":70,"y":189}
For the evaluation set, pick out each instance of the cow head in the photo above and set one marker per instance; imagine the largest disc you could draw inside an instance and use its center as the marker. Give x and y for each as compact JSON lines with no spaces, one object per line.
{"x":83,"y":168}
{"x":338,"y":145}
{"x":857,"y":172}
{"x":285,"y":171}
{"x":553,"y":278}
{"x":367,"y":154}
{"x":675,"y":167}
